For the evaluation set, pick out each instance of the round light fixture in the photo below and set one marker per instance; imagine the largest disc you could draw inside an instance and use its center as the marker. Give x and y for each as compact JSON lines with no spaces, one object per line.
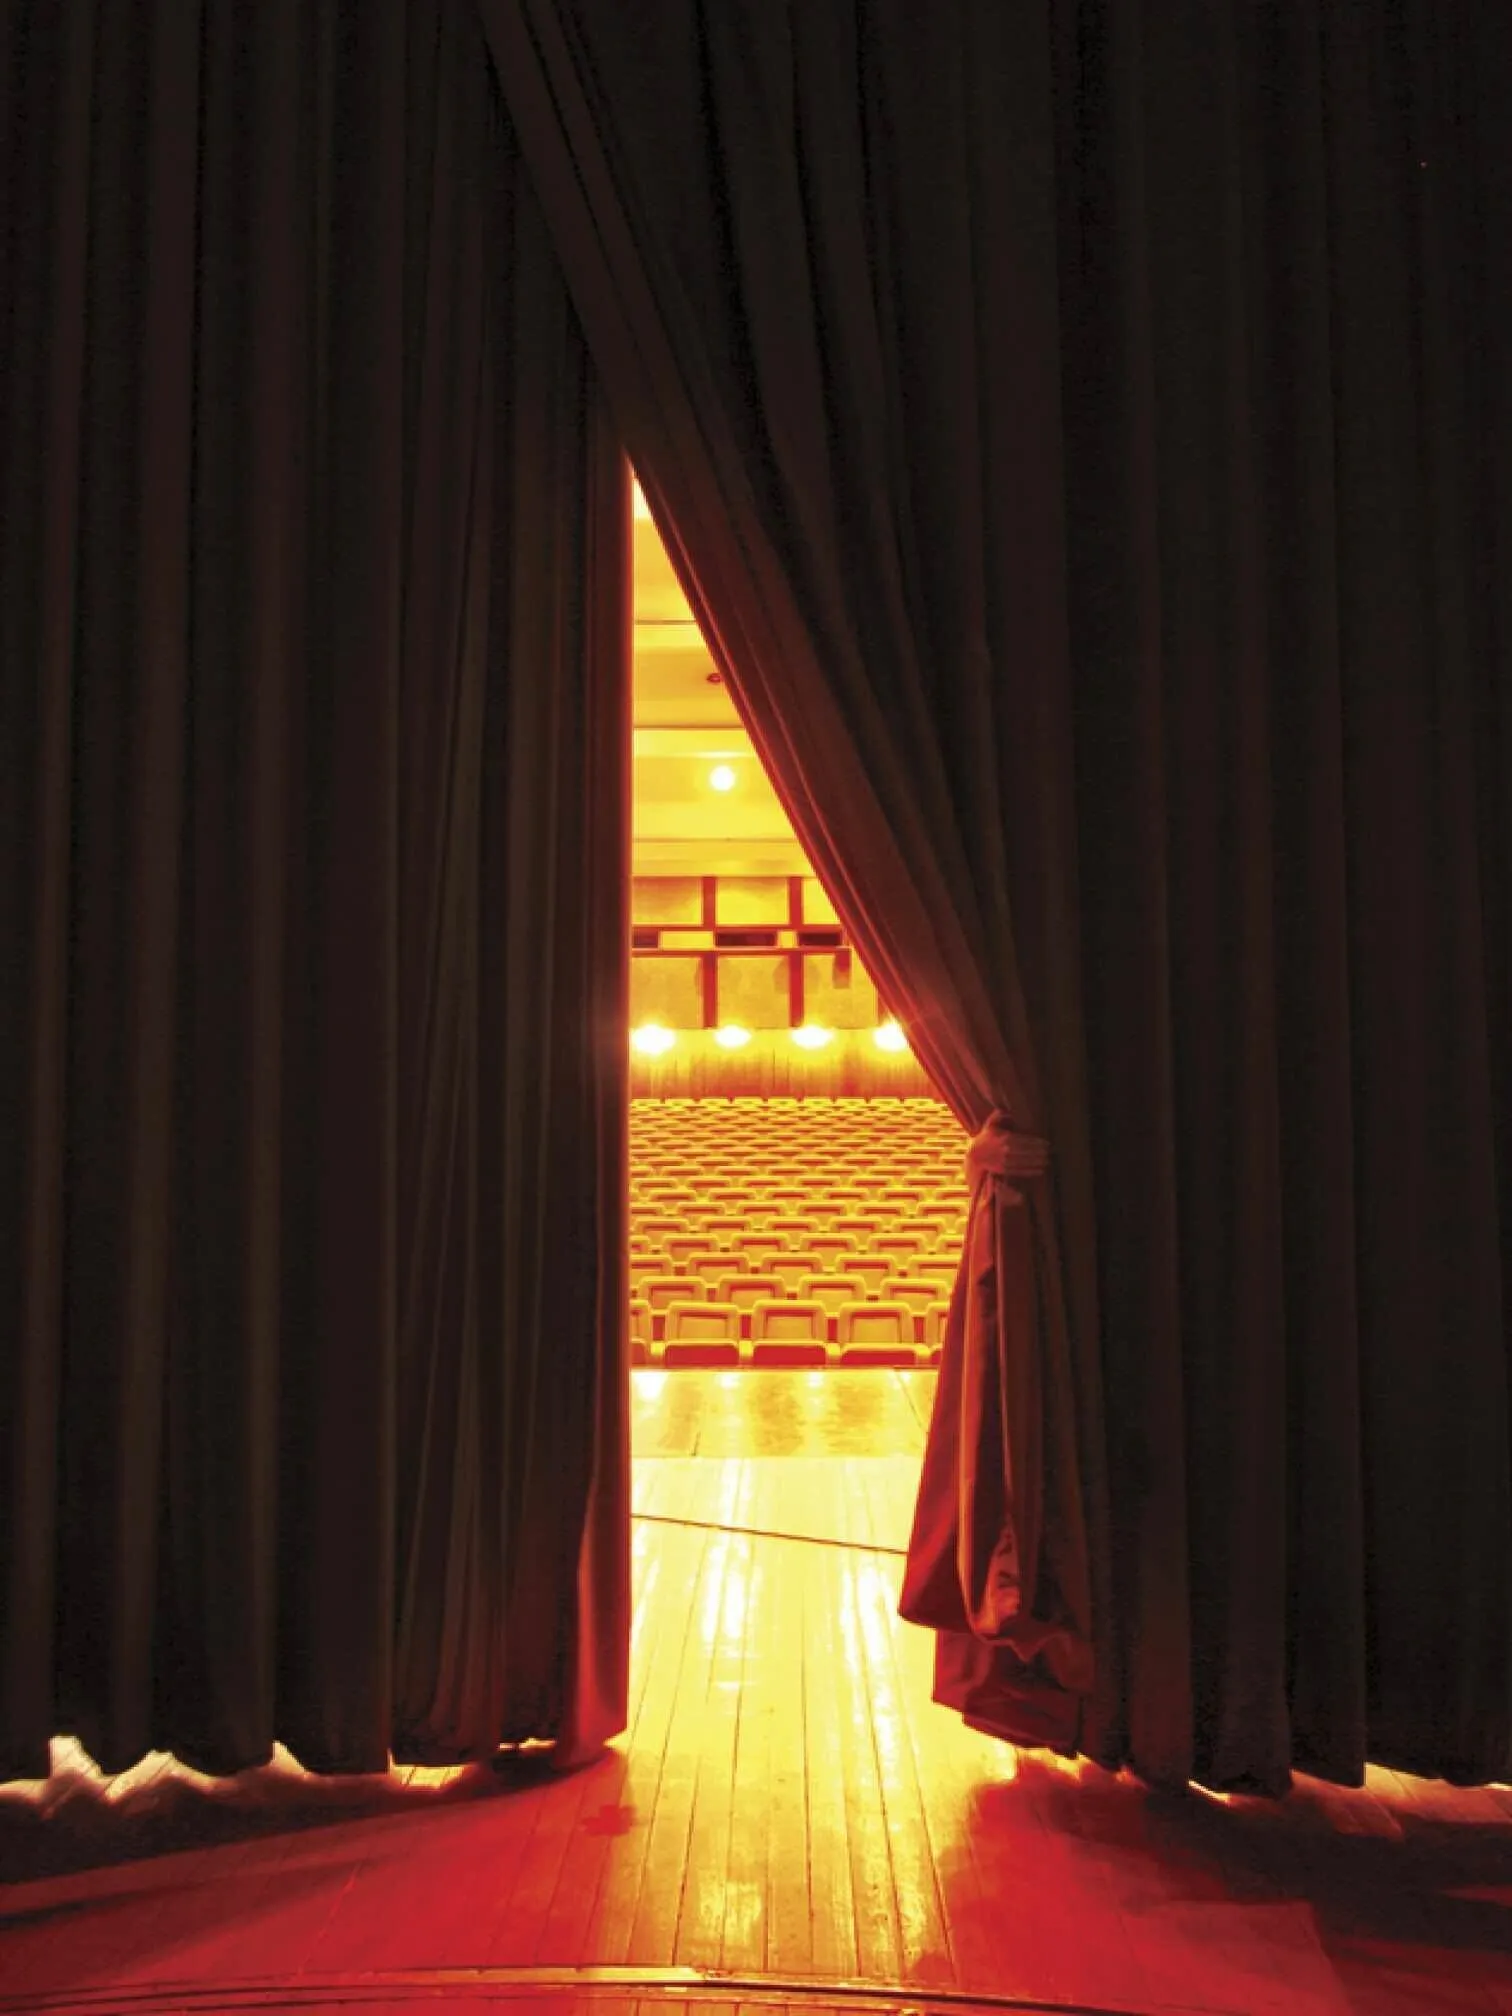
{"x":888,"y":1036}
{"x":722,"y":777}
{"x":732,"y":1036}
{"x":813,"y":1036}
{"x":652,"y":1040}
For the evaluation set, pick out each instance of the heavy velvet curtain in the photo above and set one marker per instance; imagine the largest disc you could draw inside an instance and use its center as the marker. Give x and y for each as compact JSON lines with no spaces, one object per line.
{"x":313,"y":825}
{"x":751,"y":206}
{"x":1083,"y":431}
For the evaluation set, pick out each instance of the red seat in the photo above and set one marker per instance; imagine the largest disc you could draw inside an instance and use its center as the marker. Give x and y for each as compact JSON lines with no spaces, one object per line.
{"x":859,"y":1323}
{"x":744,"y":1291}
{"x":699,"y":1322}
{"x":791,"y":1354}
{"x":702,"y":1356}
{"x":789,"y":1322}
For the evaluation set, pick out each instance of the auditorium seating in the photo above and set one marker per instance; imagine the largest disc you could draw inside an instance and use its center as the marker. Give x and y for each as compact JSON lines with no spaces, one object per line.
{"x":804,"y":1232}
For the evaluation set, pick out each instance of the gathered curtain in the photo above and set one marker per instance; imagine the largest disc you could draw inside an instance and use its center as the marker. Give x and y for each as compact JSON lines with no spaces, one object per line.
{"x":313,"y":911}
{"x":1082,"y":431}
{"x":802,"y":346}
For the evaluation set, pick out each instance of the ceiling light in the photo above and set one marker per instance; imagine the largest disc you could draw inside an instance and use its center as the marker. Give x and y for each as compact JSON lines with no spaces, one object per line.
{"x":732,"y":1036}
{"x":812,"y":1036}
{"x":652,"y":1040}
{"x":722,"y":777}
{"x":888,"y":1036}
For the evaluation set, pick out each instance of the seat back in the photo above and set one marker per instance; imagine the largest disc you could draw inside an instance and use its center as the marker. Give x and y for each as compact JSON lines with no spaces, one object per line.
{"x":790,"y":1321}
{"x":690,"y":1321}
{"x":874,"y":1323}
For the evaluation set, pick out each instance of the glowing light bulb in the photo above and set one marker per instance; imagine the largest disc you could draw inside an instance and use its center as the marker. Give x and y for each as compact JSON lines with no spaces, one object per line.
{"x":888,"y":1036}
{"x":812,"y":1036}
{"x":732,"y":1036}
{"x":652,"y":1039}
{"x":722,"y":777}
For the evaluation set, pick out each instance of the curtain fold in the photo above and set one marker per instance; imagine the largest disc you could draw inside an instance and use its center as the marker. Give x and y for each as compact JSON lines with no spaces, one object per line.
{"x":313,"y":618}
{"x":1081,"y":431}
{"x":802,"y":363}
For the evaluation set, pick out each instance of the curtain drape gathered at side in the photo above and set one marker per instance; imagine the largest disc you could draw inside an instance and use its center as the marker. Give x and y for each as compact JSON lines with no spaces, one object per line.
{"x":313,"y":851}
{"x":801,"y":331}
{"x":1083,"y":431}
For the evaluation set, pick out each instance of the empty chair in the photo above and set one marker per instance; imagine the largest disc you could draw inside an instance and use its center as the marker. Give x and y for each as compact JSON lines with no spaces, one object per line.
{"x":833,"y":1290}
{"x":710,"y":1267}
{"x":874,"y":1269}
{"x":790,"y":1268}
{"x":640,"y":1330}
{"x":789,"y":1333}
{"x":900,"y":1242}
{"x":700,"y":1333}
{"x":873,"y":1328}
{"x":830,"y":1249}
{"x":941,"y":1272}
{"x":723,"y":1229}
{"x":790,"y":1320}
{"x":757,"y":1249}
{"x":789,"y":1227}
{"x":694,"y":1354}
{"x":701,"y":1322}
{"x":874,"y":1323}
{"x":682,"y":1245}
{"x":917,"y":1291}
{"x":744,"y":1291}
{"x":794,"y":1355}
{"x":660,"y":1289}
{"x":860,"y":1231}
{"x":654,"y":1226}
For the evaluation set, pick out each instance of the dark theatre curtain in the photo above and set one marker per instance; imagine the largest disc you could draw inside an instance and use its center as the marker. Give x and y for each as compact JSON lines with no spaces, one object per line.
{"x":1084,"y":431}
{"x":313,"y":850}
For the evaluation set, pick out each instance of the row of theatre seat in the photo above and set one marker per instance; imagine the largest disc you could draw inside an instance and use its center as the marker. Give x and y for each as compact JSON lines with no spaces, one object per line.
{"x":793,"y":1232}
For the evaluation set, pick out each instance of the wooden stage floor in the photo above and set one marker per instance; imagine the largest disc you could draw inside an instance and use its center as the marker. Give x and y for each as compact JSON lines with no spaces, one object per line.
{"x":789,"y":1822}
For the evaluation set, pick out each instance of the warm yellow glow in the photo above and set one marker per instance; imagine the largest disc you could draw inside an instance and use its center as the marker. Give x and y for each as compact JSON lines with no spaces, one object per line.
{"x":732,"y":1036}
{"x":722,"y":777}
{"x":638,"y":504}
{"x":813,"y":1036}
{"x":652,"y":1039}
{"x":888,"y":1036}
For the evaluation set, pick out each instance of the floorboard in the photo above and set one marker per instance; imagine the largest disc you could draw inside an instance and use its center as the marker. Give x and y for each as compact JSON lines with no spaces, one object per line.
{"x":788,"y":1822}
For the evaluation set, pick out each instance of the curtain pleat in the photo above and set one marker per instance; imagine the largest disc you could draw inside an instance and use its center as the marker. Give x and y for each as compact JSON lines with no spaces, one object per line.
{"x":787,"y":318}
{"x":1082,"y":433}
{"x":314,"y":603}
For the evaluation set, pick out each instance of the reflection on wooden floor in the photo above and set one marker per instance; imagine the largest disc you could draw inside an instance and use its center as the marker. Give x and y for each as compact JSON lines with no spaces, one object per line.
{"x":788,"y":1808}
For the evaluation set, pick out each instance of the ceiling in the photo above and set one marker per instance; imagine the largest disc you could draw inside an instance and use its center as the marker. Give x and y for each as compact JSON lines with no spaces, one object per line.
{"x":686,"y":728}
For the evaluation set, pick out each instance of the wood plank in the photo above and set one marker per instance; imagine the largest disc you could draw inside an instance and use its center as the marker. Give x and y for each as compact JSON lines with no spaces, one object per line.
{"x":707,"y":1898}
{"x":786,"y":1800}
{"x":878,"y":1940}
{"x":671,"y":1572}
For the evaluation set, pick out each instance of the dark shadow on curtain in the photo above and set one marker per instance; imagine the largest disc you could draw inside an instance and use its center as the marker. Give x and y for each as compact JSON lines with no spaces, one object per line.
{"x":314,"y":851}
{"x":1082,"y":431}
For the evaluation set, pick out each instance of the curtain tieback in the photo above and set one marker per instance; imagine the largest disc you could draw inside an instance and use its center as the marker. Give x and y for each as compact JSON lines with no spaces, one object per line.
{"x":1005,"y":1153}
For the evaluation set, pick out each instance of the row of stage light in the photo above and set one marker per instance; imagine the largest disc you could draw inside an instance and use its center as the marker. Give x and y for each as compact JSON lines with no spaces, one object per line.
{"x":655,"y":1041}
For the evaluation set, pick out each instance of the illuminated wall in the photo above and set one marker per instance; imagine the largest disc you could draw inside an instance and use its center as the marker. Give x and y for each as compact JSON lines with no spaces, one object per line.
{"x":746,"y":986}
